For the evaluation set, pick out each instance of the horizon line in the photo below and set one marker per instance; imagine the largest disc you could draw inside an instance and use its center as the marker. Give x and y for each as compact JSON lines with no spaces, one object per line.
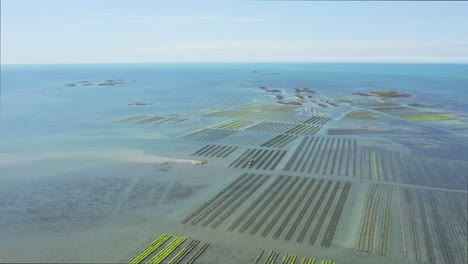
{"x":241,"y":62}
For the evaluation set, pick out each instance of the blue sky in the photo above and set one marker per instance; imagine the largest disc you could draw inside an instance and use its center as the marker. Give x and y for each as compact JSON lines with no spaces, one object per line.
{"x":105,"y":31}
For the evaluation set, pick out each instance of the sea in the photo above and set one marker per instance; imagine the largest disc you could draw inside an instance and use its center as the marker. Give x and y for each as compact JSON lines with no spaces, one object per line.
{"x":96,"y":160}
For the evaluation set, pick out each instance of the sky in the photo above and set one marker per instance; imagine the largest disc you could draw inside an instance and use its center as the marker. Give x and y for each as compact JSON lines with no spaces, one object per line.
{"x":147,"y":31}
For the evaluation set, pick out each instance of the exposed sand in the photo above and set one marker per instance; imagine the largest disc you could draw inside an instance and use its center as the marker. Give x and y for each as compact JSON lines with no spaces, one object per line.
{"x":129,"y":155}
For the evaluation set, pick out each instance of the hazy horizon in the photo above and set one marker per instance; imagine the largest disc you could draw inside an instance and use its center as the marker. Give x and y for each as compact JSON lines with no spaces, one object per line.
{"x":55,"y":32}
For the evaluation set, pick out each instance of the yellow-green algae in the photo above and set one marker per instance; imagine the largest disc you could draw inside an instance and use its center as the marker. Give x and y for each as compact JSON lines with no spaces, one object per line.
{"x":427,"y":117}
{"x":361,"y":115}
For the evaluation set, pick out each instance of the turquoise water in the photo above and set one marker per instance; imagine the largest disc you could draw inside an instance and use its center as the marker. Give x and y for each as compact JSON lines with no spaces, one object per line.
{"x":60,"y":179}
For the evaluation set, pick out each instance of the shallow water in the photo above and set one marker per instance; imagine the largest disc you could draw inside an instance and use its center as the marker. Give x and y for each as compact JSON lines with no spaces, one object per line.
{"x":81,"y":183}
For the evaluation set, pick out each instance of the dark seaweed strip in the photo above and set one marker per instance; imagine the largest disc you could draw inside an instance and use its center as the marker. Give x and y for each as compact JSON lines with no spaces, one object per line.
{"x":337,"y":150}
{"x":451,"y":224}
{"x":238,"y":203}
{"x":369,"y":164}
{"x":413,"y":172}
{"x":199,"y":252}
{"x":193,"y":244}
{"x":441,"y":235}
{"x":273,"y":260}
{"x":313,"y":213}
{"x":382,"y":164}
{"x":273,"y":207}
{"x":427,"y":173}
{"x":261,"y":161}
{"x":294,"y":209}
{"x":325,"y":120}
{"x":300,"y":160}
{"x":348,"y":155}
{"x":398,"y":167}
{"x":211,"y":200}
{"x":295,"y":154}
{"x":221,"y":151}
{"x":271,"y":160}
{"x":242,"y":158}
{"x":279,"y":140}
{"x":214,"y":151}
{"x":330,"y":231}
{"x":259,"y":257}
{"x":303,"y":211}
{"x":375,"y":208}
{"x":254,"y":204}
{"x":263,"y":206}
{"x":317,"y":119}
{"x":305,"y":150}
{"x":224,"y":151}
{"x":278,"y":160}
{"x":354,"y":158}
{"x":269,"y":257}
{"x":362,"y":163}
{"x":207,"y":150}
{"x":293,"y":129}
{"x":232,"y":199}
{"x":309,"y":120}
{"x":292,"y":138}
{"x":194,"y":134}
{"x":322,"y":155}
{"x":461,"y":208}
{"x":316,"y":129}
{"x":270,"y":142}
{"x":366,"y":217}
{"x":283,"y":207}
{"x":305,"y":130}
{"x":147,"y":120}
{"x":245,"y":162}
{"x":384,"y":224}
{"x":340,"y":162}
{"x":309,"y":155}
{"x":412,"y":225}
{"x":200,"y":150}
{"x":426,"y":228}
{"x":420,"y":172}
{"x":405,"y":170}
{"x":312,"y":120}
{"x":316,"y":154}
{"x":316,"y":231}
{"x":299,"y":128}
{"x":328,"y":156}
{"x":257,"y":158}
{"x":392,"y":168}
{"x":221,"y":200}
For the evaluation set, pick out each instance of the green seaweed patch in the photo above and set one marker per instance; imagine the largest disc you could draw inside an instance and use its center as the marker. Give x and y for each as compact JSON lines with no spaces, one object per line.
{"x":427,"y":117}
{"x":361,"y":115}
